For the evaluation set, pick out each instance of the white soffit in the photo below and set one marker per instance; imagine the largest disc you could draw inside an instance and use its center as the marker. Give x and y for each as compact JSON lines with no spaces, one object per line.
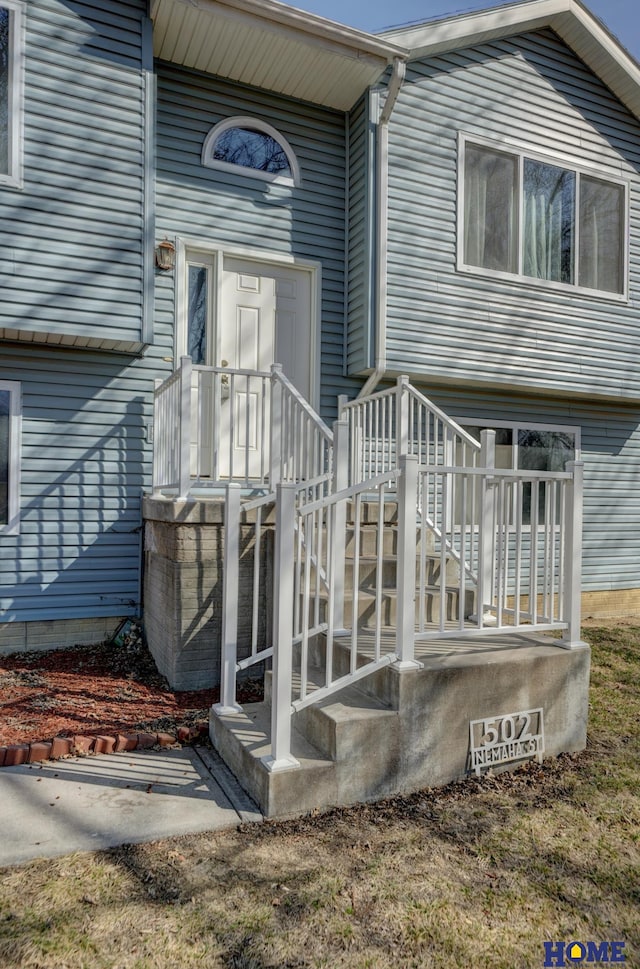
{"x":272,"y":46}
{"x":575,"y":25}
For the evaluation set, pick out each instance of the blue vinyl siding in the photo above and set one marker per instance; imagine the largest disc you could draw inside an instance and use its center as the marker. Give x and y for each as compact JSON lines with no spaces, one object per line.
{"x":610,"y":443}
{"x":84,"y":462}
{"x":76,"y":227}
{"x":452,"y":326}
{"x":227,"y":209}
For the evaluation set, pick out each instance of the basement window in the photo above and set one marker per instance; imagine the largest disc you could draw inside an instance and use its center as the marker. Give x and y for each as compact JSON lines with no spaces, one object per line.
{"x":526,"y":447}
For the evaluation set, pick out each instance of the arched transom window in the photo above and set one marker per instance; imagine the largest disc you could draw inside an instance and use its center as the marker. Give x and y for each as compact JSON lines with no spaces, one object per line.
{"x":254,"y":147}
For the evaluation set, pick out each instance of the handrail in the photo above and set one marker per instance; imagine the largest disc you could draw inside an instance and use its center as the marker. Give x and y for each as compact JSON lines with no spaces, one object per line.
{"x":440,"y":414}
{"x":359,"y":401}
{"x":278,"y":373}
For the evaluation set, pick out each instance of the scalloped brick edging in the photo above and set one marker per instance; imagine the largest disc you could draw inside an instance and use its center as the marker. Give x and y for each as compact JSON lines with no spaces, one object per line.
{"x":13,"y":755}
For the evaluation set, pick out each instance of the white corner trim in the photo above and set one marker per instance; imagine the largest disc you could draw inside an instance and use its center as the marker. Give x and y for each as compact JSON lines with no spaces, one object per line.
{"x":258,"y":125}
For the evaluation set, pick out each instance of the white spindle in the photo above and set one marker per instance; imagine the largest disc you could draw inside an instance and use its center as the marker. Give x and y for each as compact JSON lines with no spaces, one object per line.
{"x":339,"y":535}
{"x":487,"y":537}
{"x":573,"y":574}
{"x":406,"y":567}
{"x":281,"y":757}
{"x":185,"y":426}
{"x":230,"y":586}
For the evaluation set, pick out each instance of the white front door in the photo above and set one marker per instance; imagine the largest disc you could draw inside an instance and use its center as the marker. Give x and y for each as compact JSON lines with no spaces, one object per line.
{"x":265,"y":318}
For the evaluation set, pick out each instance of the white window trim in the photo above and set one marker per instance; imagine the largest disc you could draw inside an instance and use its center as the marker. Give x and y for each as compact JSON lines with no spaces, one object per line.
{"x":208,"y":260}
{"x":258,"y":125}
{"x":514,"y":427}
{"x":14,"y":177}
{"x":194,"y":250}
{"x":15,"y":431}
{"x":518,"y":425}
{"x":520,"y":151}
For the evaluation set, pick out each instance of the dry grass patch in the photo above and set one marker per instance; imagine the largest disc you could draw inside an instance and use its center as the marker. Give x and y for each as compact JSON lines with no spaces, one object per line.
{"x":474,"y":875}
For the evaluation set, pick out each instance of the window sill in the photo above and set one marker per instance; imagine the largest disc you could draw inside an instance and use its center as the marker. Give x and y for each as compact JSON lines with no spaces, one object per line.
{"x":544,"y":285}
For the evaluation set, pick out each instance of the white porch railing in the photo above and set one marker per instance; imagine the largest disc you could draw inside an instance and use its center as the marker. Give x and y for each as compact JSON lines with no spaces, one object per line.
{"x":524,"y":563}
{"x":529,"y":573}
{"x":401,"y":420}
{"x":478,"y":550}
{"x":213,"y":425}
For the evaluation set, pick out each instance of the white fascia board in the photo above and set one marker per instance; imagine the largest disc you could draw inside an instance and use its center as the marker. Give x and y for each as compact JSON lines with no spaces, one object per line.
{"x":354,"y":43}
{"x":449,"y":33}
{"x":578,"y":27}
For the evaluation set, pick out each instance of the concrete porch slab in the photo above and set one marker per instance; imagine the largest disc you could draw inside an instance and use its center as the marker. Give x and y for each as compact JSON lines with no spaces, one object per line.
{"x":426,"y":743}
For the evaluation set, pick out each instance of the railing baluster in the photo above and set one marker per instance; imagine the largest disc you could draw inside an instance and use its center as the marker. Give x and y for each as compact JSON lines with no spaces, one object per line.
{"x":444,"y":544}
{"x":281,"y":757}
{"x":406,"y":574}
{"x":573,"y":575}
{"x":230,"y":585}
{"x":533,"y":578}
{"x":518,"y":551}
{"x":185,"y":425}
{"x":357,"y":514}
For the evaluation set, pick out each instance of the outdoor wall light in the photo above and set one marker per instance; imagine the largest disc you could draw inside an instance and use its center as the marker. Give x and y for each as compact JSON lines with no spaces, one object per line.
{"x":165,"y":255}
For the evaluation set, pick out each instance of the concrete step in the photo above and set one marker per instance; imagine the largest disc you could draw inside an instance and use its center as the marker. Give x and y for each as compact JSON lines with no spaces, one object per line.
{"x":369,"y":606}
{"x":368,"y":571}
{"x":243,"y":739}
{"x":345,"y":727}
{"x":423,"y":741}
{"x":361,"y":735}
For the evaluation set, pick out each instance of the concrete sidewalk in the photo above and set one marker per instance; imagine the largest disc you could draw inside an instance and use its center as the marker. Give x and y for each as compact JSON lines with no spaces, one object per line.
{"x":85,"y":803}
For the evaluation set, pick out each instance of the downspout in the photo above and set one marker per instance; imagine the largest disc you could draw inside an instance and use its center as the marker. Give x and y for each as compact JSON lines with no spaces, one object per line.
{"x":382,"y":196}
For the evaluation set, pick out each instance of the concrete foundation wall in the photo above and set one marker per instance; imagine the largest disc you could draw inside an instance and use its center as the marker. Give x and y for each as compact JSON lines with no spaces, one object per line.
{"x":184,"y":550}
{"x":46,"y":634}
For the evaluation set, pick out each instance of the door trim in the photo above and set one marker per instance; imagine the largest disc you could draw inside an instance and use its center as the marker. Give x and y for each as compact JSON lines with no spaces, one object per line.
{"x":261,"y":257}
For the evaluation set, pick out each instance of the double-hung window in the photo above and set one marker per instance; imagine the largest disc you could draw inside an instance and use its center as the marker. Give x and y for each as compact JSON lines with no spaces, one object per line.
{"x":9,"y":457}
{"x":541,"y":221}
{"x":11,"y":47}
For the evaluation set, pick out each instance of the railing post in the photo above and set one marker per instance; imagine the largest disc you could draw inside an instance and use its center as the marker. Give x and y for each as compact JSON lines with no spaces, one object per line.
{"x":406,"y":563}
{"x":158,"y":434}
{"x":573,"y":557}
{"x":275,"y":421}
{"x":402,"y":418}
{"x":487,"y":532}
{"x":283,"y":574}
{"x":184,"y":457}
{"x":339,"y":537}
{"x":343,"y":400}
{"x":230,"y":587}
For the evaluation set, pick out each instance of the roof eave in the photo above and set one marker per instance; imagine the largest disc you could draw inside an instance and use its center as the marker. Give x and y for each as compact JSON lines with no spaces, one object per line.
{"x":575,"y":25}
{"x":273,"y":46}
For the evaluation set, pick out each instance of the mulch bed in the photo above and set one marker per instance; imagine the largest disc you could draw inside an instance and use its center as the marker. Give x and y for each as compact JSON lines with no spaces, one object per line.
{"x":93,"y":690}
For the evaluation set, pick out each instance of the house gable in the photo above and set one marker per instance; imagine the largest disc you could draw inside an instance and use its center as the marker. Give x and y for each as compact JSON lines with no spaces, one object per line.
{"x":576,"y":26}
{"x":532,"y":93}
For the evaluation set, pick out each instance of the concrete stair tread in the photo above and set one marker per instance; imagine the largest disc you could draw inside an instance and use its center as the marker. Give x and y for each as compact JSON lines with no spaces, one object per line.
{"x":387,"y":591}
{"x":347,"y":703}
{"x":257,"y":720}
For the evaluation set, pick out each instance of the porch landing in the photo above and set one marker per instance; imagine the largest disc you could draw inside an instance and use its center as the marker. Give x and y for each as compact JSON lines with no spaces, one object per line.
{"x":399,"y":731}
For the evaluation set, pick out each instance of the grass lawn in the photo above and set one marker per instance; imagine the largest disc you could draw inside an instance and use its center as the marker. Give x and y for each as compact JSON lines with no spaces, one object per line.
{"x":477,"y":874}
